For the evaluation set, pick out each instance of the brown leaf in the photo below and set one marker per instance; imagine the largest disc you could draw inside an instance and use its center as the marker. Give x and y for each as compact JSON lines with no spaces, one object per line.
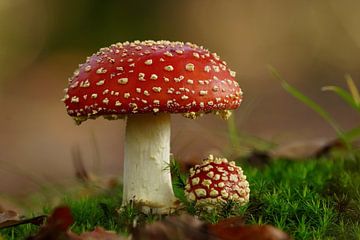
{"x":100,"y":234}
{"x":11,"y":218}
{"x":56,"y":226}
{"x":9,"y":215}
{"x":308,"y":149}
{"x":182,"y":227}
{"x":186,"y":227}
{"x":234,"y":229}
{"x":61,"y":218}
{"x":259,"y":158}
{"x":39,"y":220}
{"x":325,"y":150}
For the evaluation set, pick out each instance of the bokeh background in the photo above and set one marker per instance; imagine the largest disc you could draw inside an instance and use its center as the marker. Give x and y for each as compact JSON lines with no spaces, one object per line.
{"x":311,"y":43}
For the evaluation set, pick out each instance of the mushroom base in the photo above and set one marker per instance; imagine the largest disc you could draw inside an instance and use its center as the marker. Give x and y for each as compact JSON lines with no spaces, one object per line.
{"x":147,"y":178}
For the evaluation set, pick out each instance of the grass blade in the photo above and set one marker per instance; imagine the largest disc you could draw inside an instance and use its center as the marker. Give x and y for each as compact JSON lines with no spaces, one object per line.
{"x":353,"y":89}
{"x":352,"y":134}
{"x":232,"y":131}
{"x":346,"y":96}
{"x":308,"y":102}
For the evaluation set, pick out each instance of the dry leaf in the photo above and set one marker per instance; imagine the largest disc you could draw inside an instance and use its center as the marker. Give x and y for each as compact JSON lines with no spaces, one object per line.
{"x":11,"y":218}
{"x":186,"y":227}
{"x":7,"y":218}
{"x":234,"y":229}
{"x":182,"y":227}
{"x":307,"y":149}
{"x":56,"y":226}
{"x":100,"y":234}
{"x":61,"y":218}
{"x":259,"y":158}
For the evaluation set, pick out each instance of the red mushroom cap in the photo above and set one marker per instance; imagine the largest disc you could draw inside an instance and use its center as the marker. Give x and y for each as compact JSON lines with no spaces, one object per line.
{"x":149,"y":76}
{"x":216,"y":181}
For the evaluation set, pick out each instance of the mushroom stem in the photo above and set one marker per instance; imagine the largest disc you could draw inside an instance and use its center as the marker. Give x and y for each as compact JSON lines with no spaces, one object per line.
{"x":147,"y":176}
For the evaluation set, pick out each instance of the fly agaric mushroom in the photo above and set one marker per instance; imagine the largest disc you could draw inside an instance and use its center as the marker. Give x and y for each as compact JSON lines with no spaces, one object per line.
{"x":146,"y":82}
{"x":217,"y":181}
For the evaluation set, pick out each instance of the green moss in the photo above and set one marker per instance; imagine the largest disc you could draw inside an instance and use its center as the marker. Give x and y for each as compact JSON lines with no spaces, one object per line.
{"x":310,"y":199}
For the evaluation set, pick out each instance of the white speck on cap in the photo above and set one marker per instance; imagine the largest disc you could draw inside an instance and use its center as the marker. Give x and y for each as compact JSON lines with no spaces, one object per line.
{"x":123,"y":80}
{"x":101,"y":70}
{"x":153,"y":77}
{"x":190,"y":67}
{"x":156,"y":89}
{"x":169,"y":68}
{"x":196,"y":55}
{"x":75,"y":99}
{"x":148,"y":62}
{"x":203,"y":92}
{"x":101,"y":82}
{"x":105,"y":101}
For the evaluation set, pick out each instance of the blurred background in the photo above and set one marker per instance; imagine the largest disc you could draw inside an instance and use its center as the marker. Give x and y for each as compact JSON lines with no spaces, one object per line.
{"x":311,"y":43}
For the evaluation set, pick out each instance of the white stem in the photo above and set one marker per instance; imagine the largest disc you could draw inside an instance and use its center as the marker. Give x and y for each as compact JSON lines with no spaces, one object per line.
{"x":147,"y":176}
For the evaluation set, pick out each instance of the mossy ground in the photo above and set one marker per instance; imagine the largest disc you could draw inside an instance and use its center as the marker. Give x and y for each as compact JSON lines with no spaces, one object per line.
{"x":309,"y":199}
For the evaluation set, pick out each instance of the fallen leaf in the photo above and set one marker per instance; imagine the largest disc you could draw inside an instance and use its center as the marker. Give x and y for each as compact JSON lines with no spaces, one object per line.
{"x":100,"y":234}
{"x":61,"y":218}
{"x":56,"y":226}
{"x":328,"y":147}
{"x":8,"y":216}
{"x":39,"y":220}
{"x":11,"y":218}
{"x":307,"y":149}
{"x":182,"y":227}
{"x":234,"y":229}
{"x":186,"y":227}
{"x":259,"y":158}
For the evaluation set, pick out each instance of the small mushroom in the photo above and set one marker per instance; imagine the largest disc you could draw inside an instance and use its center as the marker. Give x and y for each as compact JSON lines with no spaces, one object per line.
{"x":217,"y":181}
{"x":145,"y":82}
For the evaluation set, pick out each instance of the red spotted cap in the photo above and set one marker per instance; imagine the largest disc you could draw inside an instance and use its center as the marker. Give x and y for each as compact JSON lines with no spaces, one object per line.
{"x":151,"y":77}
{"x":217,"y":181}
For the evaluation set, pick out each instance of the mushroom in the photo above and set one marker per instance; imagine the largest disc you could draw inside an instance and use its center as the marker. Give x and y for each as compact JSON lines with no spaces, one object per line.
{"x":217,"y":181}
{"x":145,"y":82}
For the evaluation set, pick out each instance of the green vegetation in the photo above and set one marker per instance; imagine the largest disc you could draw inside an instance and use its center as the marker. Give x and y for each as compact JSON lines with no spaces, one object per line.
{"x":310,"y":199}
{"x":351,"y":97}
